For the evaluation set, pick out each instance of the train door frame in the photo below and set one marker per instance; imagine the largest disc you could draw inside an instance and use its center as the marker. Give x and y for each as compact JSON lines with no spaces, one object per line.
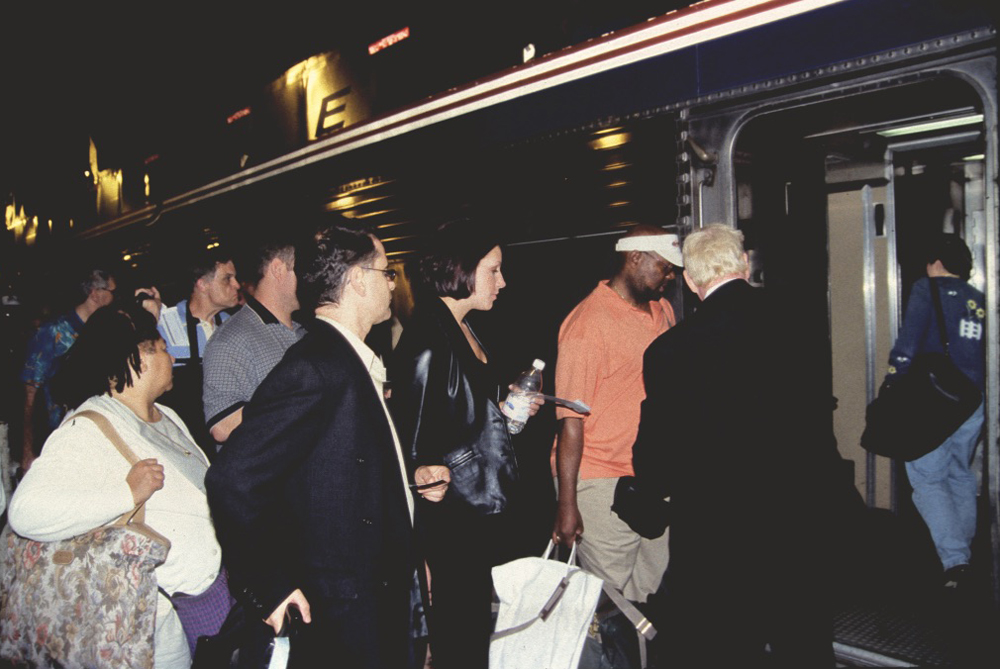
{"x":714,"y":196}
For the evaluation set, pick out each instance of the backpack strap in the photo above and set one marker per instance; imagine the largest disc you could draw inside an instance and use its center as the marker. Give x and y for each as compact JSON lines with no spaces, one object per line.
{"x":939,"y":311}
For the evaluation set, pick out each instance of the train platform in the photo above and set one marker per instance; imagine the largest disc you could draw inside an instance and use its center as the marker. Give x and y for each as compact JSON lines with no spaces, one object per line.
{"x":892,"y":609}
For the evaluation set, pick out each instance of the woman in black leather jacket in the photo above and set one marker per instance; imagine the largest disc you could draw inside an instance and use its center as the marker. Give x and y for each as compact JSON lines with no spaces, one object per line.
{"x":445,"y":405}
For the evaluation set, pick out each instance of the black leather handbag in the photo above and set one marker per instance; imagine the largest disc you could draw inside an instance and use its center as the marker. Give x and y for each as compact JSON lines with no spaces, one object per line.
{"x":219,"y":650}
{"x":916,"y":413}
{"x":646,"y":513}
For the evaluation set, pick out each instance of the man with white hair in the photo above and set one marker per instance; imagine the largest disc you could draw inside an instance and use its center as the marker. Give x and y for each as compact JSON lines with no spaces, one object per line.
{"x":735,"y":440}
{"x":601,"y":344}
{"x":187,"y":328}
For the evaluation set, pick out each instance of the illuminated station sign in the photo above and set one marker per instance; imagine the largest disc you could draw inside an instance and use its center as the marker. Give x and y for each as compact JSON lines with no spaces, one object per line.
{"x":388,"y":41}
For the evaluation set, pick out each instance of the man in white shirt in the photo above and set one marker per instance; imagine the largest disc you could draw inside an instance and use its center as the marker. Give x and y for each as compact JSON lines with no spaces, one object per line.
{"x":186,"y":328}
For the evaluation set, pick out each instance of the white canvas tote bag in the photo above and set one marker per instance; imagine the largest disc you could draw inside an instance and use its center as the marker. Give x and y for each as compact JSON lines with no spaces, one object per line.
{"x":546,"y":608}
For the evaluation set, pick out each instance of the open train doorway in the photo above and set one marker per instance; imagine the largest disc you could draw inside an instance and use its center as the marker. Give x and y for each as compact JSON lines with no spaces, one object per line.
{"x":837,"y":199}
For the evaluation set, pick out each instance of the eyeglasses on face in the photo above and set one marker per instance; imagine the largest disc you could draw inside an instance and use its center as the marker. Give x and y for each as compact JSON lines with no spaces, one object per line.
{"x":390,"y":274}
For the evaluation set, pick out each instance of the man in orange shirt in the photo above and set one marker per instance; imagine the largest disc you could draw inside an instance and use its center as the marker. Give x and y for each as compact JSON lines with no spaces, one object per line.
{"x":601,"y":344}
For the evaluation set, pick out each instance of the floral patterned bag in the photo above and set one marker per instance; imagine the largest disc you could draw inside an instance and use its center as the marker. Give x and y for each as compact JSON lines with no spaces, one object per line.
{"x":87,"y":602}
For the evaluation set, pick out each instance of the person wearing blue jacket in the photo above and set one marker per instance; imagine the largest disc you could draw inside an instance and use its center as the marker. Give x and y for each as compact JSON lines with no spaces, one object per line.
{"x":944,"y":486}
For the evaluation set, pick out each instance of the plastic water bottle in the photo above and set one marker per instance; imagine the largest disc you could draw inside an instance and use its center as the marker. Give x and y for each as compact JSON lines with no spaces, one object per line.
{"x":518,"y":403}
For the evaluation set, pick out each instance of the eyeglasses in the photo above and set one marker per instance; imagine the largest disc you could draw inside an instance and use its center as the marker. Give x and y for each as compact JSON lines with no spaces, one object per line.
{"x":390,"y":274}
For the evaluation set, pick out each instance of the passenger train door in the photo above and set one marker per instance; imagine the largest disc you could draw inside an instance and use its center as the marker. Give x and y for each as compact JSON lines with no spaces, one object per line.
{"x":878,"y":213}
{"x":835,"y":199}
{"x":863,"y":309}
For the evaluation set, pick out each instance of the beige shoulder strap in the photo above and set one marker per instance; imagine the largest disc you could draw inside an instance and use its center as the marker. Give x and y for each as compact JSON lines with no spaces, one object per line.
{"x":138,"y":514}
{"x":105,"y":426}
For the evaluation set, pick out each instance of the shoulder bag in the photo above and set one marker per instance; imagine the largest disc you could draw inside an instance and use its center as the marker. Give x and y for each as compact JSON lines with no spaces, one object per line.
{"x":89,"y":601}
{"x":916,"y":413}
{"x":646,"y":513}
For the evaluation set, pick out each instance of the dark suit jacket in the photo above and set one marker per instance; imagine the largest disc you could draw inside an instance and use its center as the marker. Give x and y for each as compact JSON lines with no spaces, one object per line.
{"x":729,"y":433}
{"x":307,"y":493}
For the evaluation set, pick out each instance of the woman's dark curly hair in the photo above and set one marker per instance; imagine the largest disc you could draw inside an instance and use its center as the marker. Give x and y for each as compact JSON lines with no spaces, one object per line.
{"x":106,"y":354}
{"x":448,"y":268}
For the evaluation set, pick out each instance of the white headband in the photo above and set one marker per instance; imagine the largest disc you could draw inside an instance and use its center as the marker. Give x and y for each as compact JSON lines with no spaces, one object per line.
{"x":667,"y":247}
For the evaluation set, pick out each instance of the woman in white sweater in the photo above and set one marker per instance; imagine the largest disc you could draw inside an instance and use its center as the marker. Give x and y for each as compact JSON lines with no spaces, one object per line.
{"x":119,"y":367}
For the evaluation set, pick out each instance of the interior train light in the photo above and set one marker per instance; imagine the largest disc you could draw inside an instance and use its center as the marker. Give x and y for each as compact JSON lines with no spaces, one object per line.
{"x":610,"y":141}
{"x":373,"y":213}
{"x":930,"y":126}
{"x":978,"y":156}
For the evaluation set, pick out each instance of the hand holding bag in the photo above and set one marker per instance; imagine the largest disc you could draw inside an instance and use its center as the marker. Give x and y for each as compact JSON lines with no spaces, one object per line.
{"x":916,"y":413}
{"x":545,"y":611}
{"x":89,"y":601}
{"x":279,"y":650}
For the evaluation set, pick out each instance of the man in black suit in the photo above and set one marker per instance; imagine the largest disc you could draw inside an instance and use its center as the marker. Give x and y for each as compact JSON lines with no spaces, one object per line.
{"x":735,"y":442}
{"x":310,"y":497}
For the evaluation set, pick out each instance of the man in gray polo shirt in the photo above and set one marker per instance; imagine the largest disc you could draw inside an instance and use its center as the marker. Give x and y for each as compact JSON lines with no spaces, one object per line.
{"x":248,"y":346}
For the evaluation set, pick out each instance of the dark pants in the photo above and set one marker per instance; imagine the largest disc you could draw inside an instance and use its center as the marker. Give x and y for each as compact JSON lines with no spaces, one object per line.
{"x":461,"y":549}
{"x":370,"y":632}
{"x":721,"y":606}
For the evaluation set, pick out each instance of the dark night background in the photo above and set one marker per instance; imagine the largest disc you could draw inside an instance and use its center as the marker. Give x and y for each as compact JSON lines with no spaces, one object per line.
{"x":162,"y":82}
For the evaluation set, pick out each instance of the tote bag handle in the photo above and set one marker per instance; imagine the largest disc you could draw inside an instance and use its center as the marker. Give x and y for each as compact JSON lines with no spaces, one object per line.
{"x":553,"y":599}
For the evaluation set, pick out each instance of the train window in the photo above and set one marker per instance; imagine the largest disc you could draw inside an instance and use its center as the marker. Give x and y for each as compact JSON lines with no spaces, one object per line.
{"x":557,"y":187}
{"x":553,"y":198}
{"x":879,"y":216}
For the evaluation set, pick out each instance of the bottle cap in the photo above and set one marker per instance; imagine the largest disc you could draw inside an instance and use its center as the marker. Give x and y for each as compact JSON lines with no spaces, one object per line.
{"x":538,"y":364}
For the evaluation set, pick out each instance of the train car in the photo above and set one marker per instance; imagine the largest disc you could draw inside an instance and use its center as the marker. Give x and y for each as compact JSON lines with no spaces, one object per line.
{"x":837,"y":134}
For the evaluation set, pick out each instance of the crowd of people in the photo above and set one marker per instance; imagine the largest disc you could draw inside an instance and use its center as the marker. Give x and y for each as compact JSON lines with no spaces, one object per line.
{"x":281,"y":464}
